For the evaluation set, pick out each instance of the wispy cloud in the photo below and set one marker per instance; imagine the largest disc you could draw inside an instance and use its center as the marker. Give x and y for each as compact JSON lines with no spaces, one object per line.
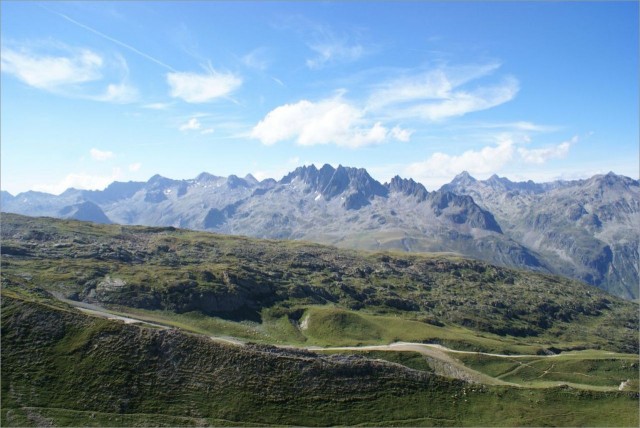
{"x":156,"y":106}
{"x":51,"y":72}
{"x":518,"y":126}
{"x":70,"y":72}
{"x":434,"y":95}
{"x":202,"y":88}
{"x":540,"y":156}
{"x":118,"y":93}
{"x":101,"y":155}
{"x":112,"y":39}
{"x":333,"y":50}
{"x":439,"y":94}
{"x":459,"y":103}
{"x":329,"y":121}
{"x":431,"y":84}
{"x":192,"y":125}
{"x":328,"y":45}
{"x":257,"y":59}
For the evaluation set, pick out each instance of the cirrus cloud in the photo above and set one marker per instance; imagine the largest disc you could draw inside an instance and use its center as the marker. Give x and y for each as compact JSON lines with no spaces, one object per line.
{"x":52,"y":71}
{"x":439,"y":94}
{"x":71,"y":72}
{"x":202,"y":88}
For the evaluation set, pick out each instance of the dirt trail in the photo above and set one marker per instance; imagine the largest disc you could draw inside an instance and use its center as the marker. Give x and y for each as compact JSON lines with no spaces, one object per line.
{"x":438,"y":356}
{"x":439,"y":359}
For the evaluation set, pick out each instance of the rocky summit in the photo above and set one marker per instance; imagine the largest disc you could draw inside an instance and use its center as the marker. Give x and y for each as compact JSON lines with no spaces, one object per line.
{"x":584,"y":229}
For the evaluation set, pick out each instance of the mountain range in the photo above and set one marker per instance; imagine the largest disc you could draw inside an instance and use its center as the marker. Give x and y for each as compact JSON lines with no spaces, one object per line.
{"x":584,"y":229}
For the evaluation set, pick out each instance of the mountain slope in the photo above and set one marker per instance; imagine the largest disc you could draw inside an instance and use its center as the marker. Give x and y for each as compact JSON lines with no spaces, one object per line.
{"x":239,"y":279}
{"x":587,"y":229}
{"x":61,"y":366}
{"x":524,"y":225}
{"x":64,"y":368}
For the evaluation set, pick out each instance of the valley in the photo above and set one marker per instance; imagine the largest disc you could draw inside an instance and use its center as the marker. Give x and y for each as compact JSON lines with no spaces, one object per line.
{"x":106,"y":325}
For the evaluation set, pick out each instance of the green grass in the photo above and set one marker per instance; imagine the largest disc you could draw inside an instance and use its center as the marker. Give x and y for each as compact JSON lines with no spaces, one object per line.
{"x":74,"y":369}
{"x":587,"y":369}
{"x":166,"y":269}
{"x":37,"y":416}
{"x":61,"y":366}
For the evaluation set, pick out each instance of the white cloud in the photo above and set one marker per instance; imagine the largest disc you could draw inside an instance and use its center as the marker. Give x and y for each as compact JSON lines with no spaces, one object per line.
{"x":329,"y":46}
{"x":70,"y":72}
{"x":540,"y":156}
{"x":333,"y":50}
{"x":202,"y":88}
{"x":434,"y":84}
{"x":330,"y":121}
{"x":118,"y":93}
{"x":156,"y":106}
{"x":80,"y":181}
{"x":520,"y":126}
{"x":192,"y":125}
{"x":257,"y":59}
{"x":101,"y":155}
{"x":436,"y":95}
{"x":135,"y":167}
{"x":440,"y":165}
{"x":461,"y":102}
{"x":50,"y":72}
{"x":400,"y":134}
{"x":506,"y":155}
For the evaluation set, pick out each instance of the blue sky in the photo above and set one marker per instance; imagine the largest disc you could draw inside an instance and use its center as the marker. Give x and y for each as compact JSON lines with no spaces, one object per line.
{"x":94,"y":92}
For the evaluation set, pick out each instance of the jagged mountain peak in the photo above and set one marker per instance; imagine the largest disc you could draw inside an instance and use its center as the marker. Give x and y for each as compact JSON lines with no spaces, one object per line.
{"x":249,"y":178}
{"x":407,"y":187}
{"x":495,"y":178}
{"x":204,"y":177}
{"x":464,"y":177}
{"x":516,"y":223}
{"x":233,"y":182}
{"x":611,"y":180}
{"x":462,"y":209}
{"x":354,"y":184}
{"x":159,"y":181}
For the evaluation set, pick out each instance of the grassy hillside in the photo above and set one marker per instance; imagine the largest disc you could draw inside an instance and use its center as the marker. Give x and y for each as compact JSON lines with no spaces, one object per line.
{"x":60,"y":367}
{"x":195,"y":276}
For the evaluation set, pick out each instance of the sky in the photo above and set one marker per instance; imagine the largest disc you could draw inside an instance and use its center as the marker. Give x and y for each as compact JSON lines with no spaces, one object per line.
{"x":96,"y":92}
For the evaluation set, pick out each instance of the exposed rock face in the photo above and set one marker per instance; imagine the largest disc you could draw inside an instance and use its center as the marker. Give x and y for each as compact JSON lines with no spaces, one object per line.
{"x":586,"y":229}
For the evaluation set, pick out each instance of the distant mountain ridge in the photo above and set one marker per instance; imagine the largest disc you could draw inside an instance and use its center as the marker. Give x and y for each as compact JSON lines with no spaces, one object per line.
{"x":585,"y":229}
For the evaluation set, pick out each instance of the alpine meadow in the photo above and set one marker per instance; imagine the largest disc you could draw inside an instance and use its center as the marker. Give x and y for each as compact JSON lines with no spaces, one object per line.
{"x":319,"y":213}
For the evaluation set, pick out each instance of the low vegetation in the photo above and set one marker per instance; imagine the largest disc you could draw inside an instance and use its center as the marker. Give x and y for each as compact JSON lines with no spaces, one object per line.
{"x":63,"y":367}
{"x":242,"y":279}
